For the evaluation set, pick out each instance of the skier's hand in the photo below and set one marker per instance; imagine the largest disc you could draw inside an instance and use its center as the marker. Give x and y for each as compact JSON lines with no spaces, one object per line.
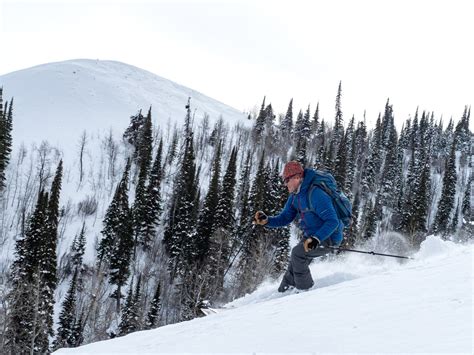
{"x":310,"y":243}
{"x":260,"y":218}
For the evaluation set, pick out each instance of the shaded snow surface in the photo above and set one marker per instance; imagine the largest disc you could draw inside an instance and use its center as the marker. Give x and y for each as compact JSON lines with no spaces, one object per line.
{"x":360,"y":304}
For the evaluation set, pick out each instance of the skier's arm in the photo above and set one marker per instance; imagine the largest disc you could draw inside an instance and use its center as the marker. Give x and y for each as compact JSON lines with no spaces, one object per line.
{"x":286,"y":216}
{"x":324,"y":208}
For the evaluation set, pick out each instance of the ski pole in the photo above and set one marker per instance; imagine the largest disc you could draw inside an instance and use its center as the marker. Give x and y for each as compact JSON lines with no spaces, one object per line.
{"x":369,"y":252}
{"x":238,"y":251}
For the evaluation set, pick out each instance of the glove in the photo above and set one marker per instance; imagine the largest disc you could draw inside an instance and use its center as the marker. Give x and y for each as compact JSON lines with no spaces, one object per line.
{"x":310,"y":243}
{"x":260,"y":218}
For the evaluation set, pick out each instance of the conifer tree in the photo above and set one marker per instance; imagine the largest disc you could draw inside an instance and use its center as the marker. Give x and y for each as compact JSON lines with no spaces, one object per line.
{"x":300,"y":127}
{"x":145,"y":143}
{"x":328,"y":156}
{"x":152,"y":319}
{"x":338,"y":121}
{"x":117,"y":245}
{"x":286,"y":126}
{"x":404,"y":134}
{"x":133,"y":133}
{"x":115,"y":217}
{"x":6,"y":126}
{"x":315,"y":121}
{"x":269,"y":117}
{"x":48,"y":255}
{"x":338,"y":131}
{"x":153,"y":203}
{"x":446,"y":203}
{"x":78,"y":248}
{"x":413,"y":134}
{"x":34,"y":276}
{"x":180,"y":231}
{"x":131,"y":319}
{"x":244,"y":223}
{"x":306,"y":127}
{"x":466,"y":202}
{"x":455,"y":221}
{"x":259,"y":125}
{"x":67,"y":317}
{"x":320,"y":142}
{"x":137,"y":306}
{"x":350,"y":236}
{"x":351,"y":158}
{"x":447,"y":139}
{"x":77,"y":336}
{"x":206,"y":222}
{"x":391,"y":171}
{"x":370,"y":226}
{"x":462,"y":132}
{"x":27,"y":329}
{"x":370,"y":174}
{"x":361,"y":147}
{"x":172,"y":149}
{"x":387,"y":124}
{"x":340,"y":167}
{"x":248,"y":271}
{"x":217,"y":131}
{"x":119,"y":266}
{"x":125,"y":326}
{"x":207,"y":244}
{"x":419,"y":211}
{"x":224,"y":212}
{"x":225,"y":224}
{"x":467,"y":226}
{"x":139,"y":210}
{"x":301,"y":151}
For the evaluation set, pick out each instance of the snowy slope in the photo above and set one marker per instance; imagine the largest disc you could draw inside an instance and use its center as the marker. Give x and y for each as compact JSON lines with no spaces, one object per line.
{"x":58,"y":101}
{"x":360,"y":305}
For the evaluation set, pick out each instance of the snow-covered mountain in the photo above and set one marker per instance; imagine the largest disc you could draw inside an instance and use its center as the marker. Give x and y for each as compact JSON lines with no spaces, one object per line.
{"x":361,"y":304}
{"x":61,"y":104}
{"x":58,"y":101}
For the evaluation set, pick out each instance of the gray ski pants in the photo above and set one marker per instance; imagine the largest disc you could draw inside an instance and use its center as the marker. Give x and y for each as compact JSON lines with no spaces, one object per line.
{"x":298,"y":274}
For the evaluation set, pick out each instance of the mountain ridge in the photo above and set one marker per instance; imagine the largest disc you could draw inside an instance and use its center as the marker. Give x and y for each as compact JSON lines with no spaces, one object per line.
{"x":51,"y":94}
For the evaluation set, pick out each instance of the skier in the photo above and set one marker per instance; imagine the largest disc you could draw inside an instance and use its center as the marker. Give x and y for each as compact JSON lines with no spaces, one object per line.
{"x":321,"y":226}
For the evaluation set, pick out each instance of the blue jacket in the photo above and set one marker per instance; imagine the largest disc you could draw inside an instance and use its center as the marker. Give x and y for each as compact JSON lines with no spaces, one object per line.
{"x":321,"y":223}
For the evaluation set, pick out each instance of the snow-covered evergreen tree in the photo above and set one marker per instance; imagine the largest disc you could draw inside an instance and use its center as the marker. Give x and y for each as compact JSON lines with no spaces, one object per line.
{"x":206,"y":222}
{"x":446,"y":203}
{"x":181,"y":228}
{"x":78,"y":249}
{"x":153,"y":203}
{"x":6,"y":127}
{"x":152,"y":319}
{"x":67,"y":317}
{"x":116,"y":246}
{"x":27,"y":327}
{"x":286,"y":126}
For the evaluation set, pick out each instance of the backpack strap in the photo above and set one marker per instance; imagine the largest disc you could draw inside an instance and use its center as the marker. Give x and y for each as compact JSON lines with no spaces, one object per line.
{"x":323,"y":187}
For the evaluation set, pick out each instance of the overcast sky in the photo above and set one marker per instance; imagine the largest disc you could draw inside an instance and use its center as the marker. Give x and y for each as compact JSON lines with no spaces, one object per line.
{"x":417,"y":53}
